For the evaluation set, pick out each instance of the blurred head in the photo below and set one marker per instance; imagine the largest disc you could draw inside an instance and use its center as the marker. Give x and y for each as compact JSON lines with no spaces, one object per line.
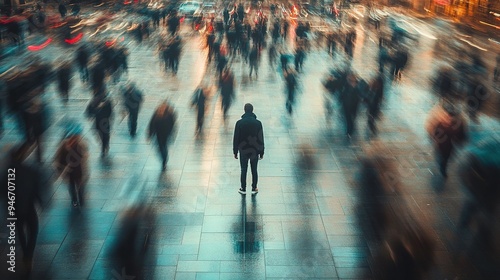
{"x":248,"y":108}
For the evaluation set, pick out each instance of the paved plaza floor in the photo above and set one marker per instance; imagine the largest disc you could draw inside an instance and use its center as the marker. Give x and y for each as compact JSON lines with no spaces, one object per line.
{"x":302,"y":224}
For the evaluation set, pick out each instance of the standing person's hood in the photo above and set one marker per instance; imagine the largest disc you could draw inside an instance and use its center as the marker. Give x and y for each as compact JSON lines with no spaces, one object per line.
{"x":249,"y":115}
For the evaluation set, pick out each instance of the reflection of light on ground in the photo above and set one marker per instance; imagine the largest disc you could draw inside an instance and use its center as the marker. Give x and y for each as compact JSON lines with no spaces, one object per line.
{"x":485,"y":23}
{"x":473,"y":45}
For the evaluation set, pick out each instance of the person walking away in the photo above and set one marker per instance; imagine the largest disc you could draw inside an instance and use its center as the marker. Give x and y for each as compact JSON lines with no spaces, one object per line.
{"x":254,"y":61}
{"x":101,"y":110}
{"x":162,"y":126}
{"x":82,"y":60}
{"x":133,"y":99}
{"x":350,"y":97}
{"x":248,"y":141}
{"x":226,"y":85}
{"x":71,"y":164}
{"x":291,"y":88}
{"x":63,"y":79}
{"x":447,"y":129}
{"x":34,"y":124}
{"x":199,"y":101}
{"x":30,"y":185}
{"x":375,"y":102}
{"x":299,"y":59}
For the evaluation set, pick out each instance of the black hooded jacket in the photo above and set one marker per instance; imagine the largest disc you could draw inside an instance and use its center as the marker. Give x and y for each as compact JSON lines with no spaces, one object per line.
{"x":248,"y":135}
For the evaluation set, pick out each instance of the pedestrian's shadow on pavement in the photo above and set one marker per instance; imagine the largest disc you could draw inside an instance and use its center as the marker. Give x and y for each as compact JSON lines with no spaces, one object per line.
{"x":106,"y":162}
{"x":438,"y":183}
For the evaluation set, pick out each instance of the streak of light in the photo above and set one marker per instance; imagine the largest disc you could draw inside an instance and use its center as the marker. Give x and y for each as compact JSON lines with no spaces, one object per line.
{"x":5,"y":73}
{"x":485,"y":23}
{"x":74,"y":40}
{"x":493,"y":40}
{"x":474,"y":45}
{"x":35,"y":48}
{"x":420,"y":31}
{"x":76,"y":30}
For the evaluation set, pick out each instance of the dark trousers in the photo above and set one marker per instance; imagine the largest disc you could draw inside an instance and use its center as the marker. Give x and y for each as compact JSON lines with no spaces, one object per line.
{"x":162,"y":146}
{"x":104,"y":136}
{"x":27,"y":228}
{"x":132,"y":121}
{"x":254,"y":65}
{"x":75,"y":190}
{"x":244,"y":158}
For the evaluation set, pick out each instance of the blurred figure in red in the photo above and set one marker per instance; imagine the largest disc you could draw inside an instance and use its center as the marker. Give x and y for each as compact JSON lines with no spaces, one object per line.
{"x":447,"y":129}
{"x":71,"y":163}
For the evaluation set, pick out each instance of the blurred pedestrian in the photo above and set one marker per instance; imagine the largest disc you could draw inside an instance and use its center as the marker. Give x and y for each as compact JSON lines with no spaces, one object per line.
{"x":350,"y":98}
{"x":133,"y":99}
{"x":29,"y":188}
{"x":173,"y":23}
{"x":162,"y":126}
{"x":98,"y":77}
{"x":375,"y":101}
{"x":35,"y":123}
{"x":226,"y":85}
{"x":101,"y":110}
{"x":299,"y":58}
{"x":63,"y":79}
{"x":479,"y":175}
{"x":291,"y":88}
{"x":253,"y":59}
{"x":248,"y":140}
{"x":447,"y":128}
{"x":199,"y":102}
{"x":62,"y":9}
{"x":82,"y":60}
{"x":71,"y":163}
{"x":477,"y":94}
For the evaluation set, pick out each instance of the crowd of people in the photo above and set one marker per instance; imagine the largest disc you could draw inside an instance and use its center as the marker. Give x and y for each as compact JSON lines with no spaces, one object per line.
{"x":238,"y":37}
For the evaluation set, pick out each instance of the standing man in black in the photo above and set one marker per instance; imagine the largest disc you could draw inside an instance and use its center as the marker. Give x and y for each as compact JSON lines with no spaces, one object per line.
{"x":248,"y":140}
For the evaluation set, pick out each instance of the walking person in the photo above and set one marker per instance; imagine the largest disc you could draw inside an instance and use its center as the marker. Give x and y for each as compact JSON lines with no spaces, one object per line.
{"x":375,"y":102}
{"x":291,"y":88}
{"x":226,"y":85}
{"x":82,"y":60}
{"x":133,"y":99}
{"x":447,"y":129}
{"x":162,"y":126}
{"x":34,"y":122}
{"x":199,"y":101}
{"x":248,"y":141}
{"x":28,"y":194}
{"x":349,"y":98}
{"x":254,"y":61}
{"x":63,"y":79}
{"x":101,"y":110}
{"x":71,"y":163}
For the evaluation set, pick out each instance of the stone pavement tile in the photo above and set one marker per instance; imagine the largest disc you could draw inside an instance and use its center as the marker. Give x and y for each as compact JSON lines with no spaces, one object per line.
{"x":198,"y":266}
{"x":159,"y":272}
{"x":290,"y":271}
{"x":185,"y":276}
{"x":180,"y":219}
{"x":75,"y":258}
{"x":345,"y":240}
{"x":249,"y":275}
{"x":207,"y":276}
{"x":179,"y":249}
{"x":354,"y":273}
